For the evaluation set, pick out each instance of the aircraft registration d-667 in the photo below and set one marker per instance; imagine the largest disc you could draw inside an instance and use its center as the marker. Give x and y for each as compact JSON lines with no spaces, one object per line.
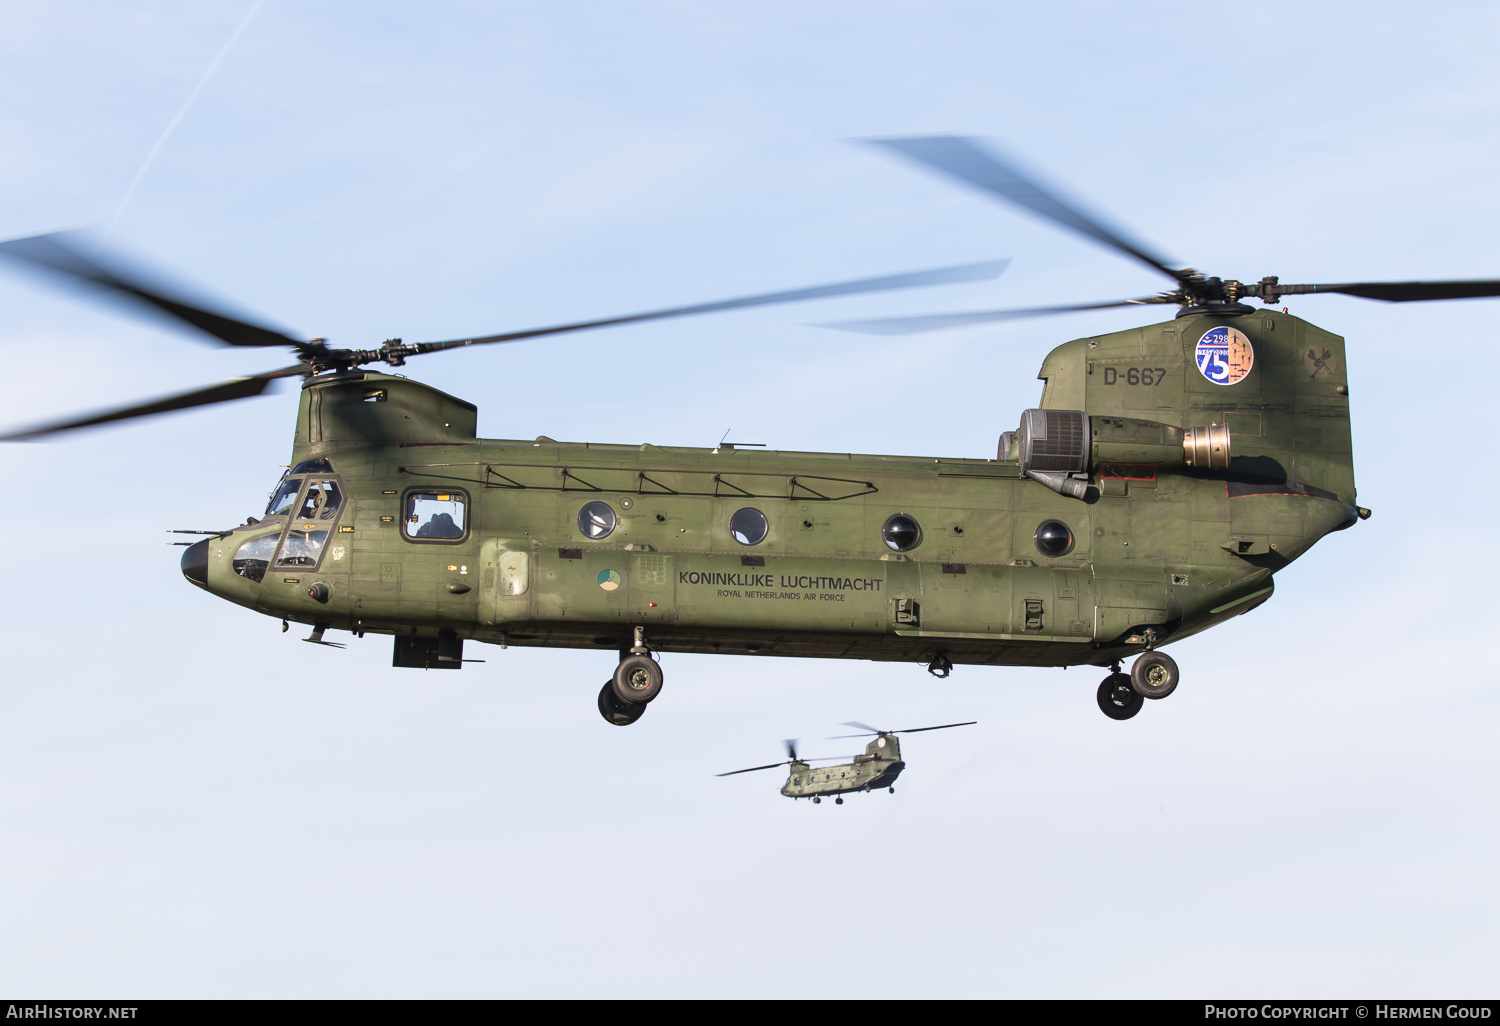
{"x":1167,"y":475}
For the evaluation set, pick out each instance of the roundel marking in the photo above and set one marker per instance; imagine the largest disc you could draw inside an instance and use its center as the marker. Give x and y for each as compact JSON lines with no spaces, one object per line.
{"x":609,"y":580}
{"x":1224,"y":355}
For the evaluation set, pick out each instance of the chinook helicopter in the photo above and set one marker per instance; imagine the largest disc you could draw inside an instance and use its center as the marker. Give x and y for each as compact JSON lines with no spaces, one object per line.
{"x":1169,"y":473}
{"x":878,"y":767}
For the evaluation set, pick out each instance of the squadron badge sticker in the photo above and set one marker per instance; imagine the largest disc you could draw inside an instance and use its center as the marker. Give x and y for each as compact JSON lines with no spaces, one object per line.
{"x":609,"y":580}
{"x":1224,"y":355}
{"x":1319,"y":362}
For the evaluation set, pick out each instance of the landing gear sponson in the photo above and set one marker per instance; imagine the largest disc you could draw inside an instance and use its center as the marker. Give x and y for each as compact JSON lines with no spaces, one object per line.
{"x":636,"y":681}
{"x":1152,"y":675}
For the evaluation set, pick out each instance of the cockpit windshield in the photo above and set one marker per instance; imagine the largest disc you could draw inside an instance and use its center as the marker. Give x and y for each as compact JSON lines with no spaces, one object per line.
{"x":283,"y":498}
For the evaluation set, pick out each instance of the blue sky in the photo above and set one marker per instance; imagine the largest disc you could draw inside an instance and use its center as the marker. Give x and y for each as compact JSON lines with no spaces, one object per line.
{"x":196,"y":804}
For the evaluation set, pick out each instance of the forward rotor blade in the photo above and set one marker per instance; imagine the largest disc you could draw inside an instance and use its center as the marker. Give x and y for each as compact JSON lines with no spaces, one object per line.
{"x":942,"y":726}
{"x":752,"y":769}
{"x":920,"y":279}
{"x":791,"y":748}
{"x":1402,"y":291}
{"x":861,"y":726}
{"x":55,"y":253}
{"x":939,"y":322}
{"x":239,"y":388}
{"x":963,"y":159}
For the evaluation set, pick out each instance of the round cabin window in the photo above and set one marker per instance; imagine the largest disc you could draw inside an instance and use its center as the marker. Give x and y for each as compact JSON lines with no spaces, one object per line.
{"x":1053,"y":538}
{"x":901,"y":533}
{"x":748,"y":526}
{"x":596,"y":520}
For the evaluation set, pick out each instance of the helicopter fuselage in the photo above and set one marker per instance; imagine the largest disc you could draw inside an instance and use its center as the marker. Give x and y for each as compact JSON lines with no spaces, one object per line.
{"x":878,"y":767}
{"x":401,"y":521}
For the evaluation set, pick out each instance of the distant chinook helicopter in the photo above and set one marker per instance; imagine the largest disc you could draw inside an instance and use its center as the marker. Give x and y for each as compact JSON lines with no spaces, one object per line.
{"x":1168,"y":475}
{"x":878,"y":767}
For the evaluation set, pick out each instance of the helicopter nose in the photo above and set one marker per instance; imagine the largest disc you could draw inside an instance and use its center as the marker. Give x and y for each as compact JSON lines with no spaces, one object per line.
{"x":195,"y":563}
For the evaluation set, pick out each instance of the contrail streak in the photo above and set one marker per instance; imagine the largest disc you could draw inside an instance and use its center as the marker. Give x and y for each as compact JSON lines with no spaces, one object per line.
{"x":178,"y":117}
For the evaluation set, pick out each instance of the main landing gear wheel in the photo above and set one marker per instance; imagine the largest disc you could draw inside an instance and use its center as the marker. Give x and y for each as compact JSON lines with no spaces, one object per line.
{"x":621,"y":714}
{"x":817,"y":800}
{"x":1154,"y":675}
{"x":1117,"y":698}
{"x":838,"y":801}
{"x":637,"y":680}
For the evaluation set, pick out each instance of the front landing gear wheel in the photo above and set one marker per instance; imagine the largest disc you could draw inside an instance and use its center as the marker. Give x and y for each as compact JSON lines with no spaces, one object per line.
{"x":637,"y":680}
{"x":621,"y":714}
{"x":1117,"y":698}
{"x":1154,"y":675}
{"x":817,"y":800}
{"x":838,"y":801}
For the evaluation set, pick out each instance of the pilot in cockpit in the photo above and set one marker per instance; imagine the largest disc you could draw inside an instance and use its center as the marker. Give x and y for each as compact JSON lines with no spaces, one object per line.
{"x":310,"y":503}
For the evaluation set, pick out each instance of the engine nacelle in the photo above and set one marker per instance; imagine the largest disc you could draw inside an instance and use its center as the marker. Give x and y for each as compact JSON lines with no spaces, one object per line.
{"x":1129,"y":440}
{"x":1059,"y":448}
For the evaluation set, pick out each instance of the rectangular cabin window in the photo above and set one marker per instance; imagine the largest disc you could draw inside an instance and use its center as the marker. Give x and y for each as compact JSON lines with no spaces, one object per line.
{"x":435,"y":516}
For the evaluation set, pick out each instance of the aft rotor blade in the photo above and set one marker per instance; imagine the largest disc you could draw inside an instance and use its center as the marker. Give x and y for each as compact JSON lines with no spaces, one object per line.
{"x":965,"y":160}
{"x":752,"y":769}
{"x":943,"y":276}
{"x":942,"y":726}
{"x":57,"y":253}
{"x":1401,"y":291}
{"x":869,"y":731}
{"x":939,"y":322}
{"x":239,"y":388}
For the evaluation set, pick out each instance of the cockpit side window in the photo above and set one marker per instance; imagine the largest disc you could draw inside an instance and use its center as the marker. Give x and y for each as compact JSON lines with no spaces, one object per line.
{"x":321,"y":502}
{"x":309,"y":530}
{"x":435,"y":516}
{"x":302,"y":547}
{"x":284,"y":497}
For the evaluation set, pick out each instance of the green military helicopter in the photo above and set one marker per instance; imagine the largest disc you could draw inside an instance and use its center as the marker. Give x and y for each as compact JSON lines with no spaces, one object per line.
{"x":878,"y":767}
{"x":1169,"y":473}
